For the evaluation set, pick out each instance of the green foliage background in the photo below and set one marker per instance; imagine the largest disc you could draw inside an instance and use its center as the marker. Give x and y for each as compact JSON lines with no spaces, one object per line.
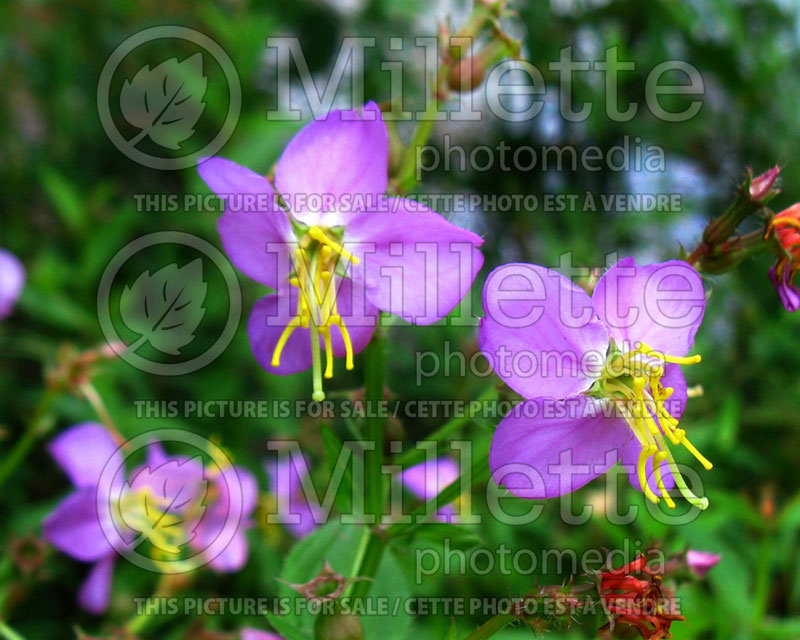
{"x":68,"y":207}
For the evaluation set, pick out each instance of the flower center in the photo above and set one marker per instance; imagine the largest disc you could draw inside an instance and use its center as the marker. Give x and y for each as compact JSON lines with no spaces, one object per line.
{"x":149,"y":515}
{"x":315,"y":262}
{"x":633,"y":381}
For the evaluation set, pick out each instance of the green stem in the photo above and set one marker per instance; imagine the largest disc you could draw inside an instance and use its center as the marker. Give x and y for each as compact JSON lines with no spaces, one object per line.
{"x":368,"y":562}
{"x":8,"y":633}
{"x":318,"y":394}
{"x":373,"y":397}
{"x":372,"y":544}
{"x":491,"y":626}
{"x":762,"y":585}
{"x":37,"y":426}
{"x":93,"y":397}
{"x":407,"y":174}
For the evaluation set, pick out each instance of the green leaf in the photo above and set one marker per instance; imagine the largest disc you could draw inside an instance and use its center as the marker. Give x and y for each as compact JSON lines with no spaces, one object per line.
{"x":338,"y":544}
{"x":65,"y":197}
{"x":288,"y":631}
{"x":459,"y":537}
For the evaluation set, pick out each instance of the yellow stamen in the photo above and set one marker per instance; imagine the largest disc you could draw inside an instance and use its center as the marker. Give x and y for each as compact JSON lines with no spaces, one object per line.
{"x":326,"y":335}
{"x":657,"y":460}
{"x":649,"y":351}
{"x":287,"y":332}
{"x":319,"y":235}
{"x":644,"y":456}
{"x":348,"y":345}
{"x":633,"y":380}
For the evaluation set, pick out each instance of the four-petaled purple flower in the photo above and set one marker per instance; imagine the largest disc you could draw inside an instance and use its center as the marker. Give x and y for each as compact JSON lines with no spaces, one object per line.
{"x":601,"y":375}
{"x":12,"y":281}
{"x":334,"y":247}
{"x":427,"y":480}
{"x":169,"y":498}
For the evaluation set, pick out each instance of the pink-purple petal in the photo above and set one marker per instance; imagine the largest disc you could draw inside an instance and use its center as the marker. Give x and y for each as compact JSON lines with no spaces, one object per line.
{"x":12,"y":281}
{"x":660,"y":304}
{"x":269,"y":317}
{"x":788,"y":293}
{"x":673,"y":378}
{"x":546,"y":448}
{"x":83,"y":450}
{"x":95,"y":592}
{"x":234,"y":556}
{"x":540,"y":333}
{"x":414,"y":263}
{"x":256,"y":234}
{"x":74,"y":527}
{"x":426,"y":480}
{"x":256,"y":634}
{"x":342,"y":156}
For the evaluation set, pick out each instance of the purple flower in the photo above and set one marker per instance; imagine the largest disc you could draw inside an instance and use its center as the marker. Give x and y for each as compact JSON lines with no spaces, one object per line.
{"x":167,"y":497}
{"x":427,"y":480}
{"x":206,"y":505}
{"x":287,"y":478}
{"x":12,"y":280}
{"x":334,"y":247}
{"x":601,"y":375}
{"x":701,"y":562}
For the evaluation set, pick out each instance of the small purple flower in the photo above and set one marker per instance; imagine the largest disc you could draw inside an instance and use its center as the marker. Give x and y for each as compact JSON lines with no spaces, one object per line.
{"x":701,"y":562}
{"x":601,"y":375}
{"x":206,"y":508}
{"x":334,"y":247}
{"x":12,"y":281}
{"x":286,"y":483}
{"x":427,"y":480}
{"x":170,"y":491}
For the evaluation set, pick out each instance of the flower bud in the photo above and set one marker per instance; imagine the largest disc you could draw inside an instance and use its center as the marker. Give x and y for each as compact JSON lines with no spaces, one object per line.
{"x":760,"y":188}
{"x":701,"y":562}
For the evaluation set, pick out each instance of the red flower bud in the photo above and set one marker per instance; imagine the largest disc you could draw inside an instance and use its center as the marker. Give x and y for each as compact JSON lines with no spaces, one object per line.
{"x":761,"y":186}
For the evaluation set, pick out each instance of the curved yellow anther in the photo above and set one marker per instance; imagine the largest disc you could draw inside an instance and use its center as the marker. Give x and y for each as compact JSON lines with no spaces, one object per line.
{"x":657,"y":460}
{"x":287,"y":332}
{"x":641,"y":469}
{"x":320,"y":236}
